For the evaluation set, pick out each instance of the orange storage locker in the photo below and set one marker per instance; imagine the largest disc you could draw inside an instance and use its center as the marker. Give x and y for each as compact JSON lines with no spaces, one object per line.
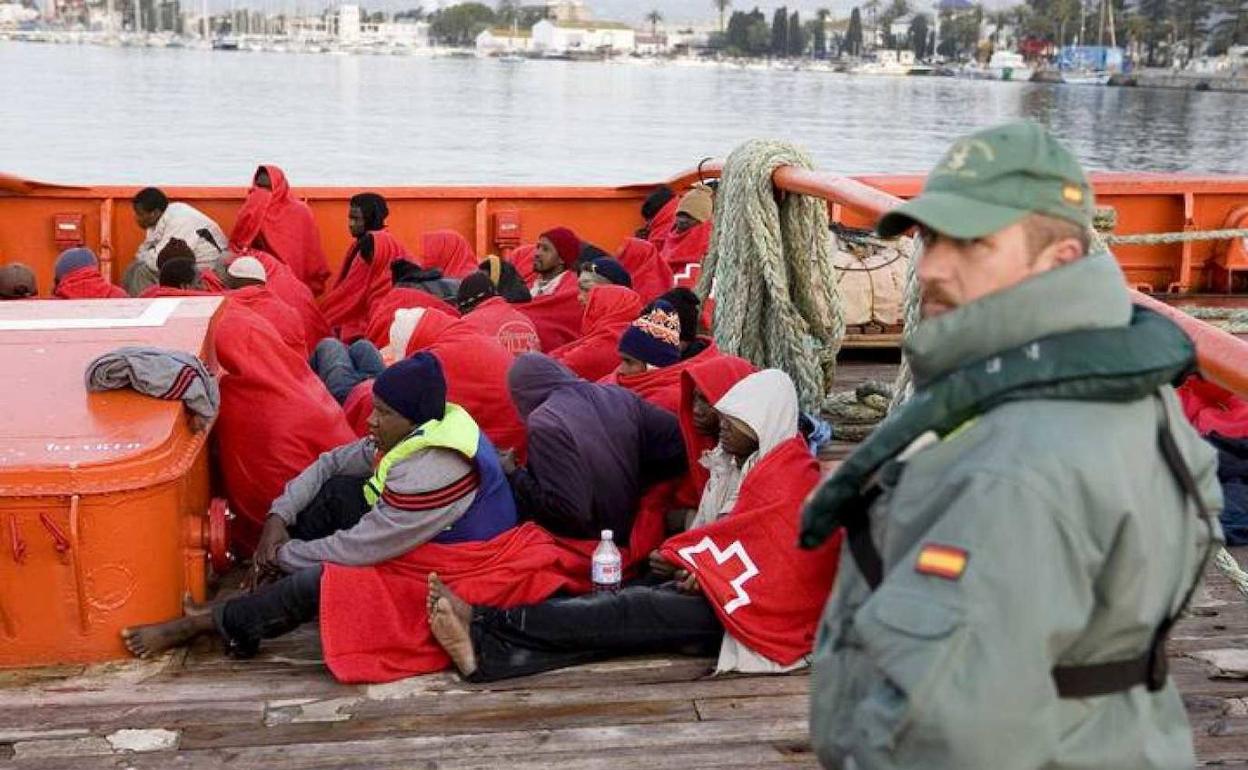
{"x":104,"y":497}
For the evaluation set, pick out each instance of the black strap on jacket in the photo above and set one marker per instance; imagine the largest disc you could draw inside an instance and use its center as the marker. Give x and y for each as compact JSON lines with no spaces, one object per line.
{"x":1150,"y":669}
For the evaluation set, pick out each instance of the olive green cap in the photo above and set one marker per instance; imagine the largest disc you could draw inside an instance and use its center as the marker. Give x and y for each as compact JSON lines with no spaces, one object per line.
{"x":992,"y":179}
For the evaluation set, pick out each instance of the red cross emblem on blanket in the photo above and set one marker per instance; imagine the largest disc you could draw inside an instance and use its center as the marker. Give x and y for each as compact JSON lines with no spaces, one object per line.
{"x":722,"y":556}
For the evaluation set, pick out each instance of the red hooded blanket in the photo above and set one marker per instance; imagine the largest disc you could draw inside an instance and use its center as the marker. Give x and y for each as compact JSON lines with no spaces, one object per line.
{"x":661,"y":387}
{"x":607,"y":314}
{"x":557,"y":316}
{"x":381,"y":315}
{"x":282,"y":225}
{"x":87,"y":283}
{"x":500,"y":320}
{"x":681,"y":250}
{"x":651,"y":274}
{"x":712,"y":379}
{"x":276,"y":417}
{"x":521,"y":258}
{"x":448,"y":251}
{"x":285,"y":321}
{"x":475,"y":367}
{"x":361,"y":284}
{"x":661,"y":226}
{"x":289,"y":289}
{"x":767,"y":592}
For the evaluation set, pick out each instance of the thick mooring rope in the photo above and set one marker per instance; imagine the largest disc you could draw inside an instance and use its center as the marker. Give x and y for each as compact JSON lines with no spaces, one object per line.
{"x":772,"y":271}
{"x":1153,"y":239}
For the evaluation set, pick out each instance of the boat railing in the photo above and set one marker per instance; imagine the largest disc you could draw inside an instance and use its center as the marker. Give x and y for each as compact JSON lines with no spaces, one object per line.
{"x":1223,"y":357}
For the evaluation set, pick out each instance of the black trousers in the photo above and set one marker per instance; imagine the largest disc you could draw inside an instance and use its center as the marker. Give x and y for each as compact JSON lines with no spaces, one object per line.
{"x":282,"y":606}
{"x":562,"y":632}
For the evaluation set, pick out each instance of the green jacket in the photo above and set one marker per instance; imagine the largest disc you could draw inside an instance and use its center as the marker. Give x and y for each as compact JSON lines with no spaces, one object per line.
{"x":1078,"y":541}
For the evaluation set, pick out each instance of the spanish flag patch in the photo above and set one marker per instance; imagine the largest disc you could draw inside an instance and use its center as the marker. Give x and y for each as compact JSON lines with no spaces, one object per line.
{"x":942,"y":561}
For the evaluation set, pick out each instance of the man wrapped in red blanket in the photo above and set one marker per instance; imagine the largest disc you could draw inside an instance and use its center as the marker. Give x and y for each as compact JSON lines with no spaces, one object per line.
{"x":276,"y":222}
{"x":365,"y":277}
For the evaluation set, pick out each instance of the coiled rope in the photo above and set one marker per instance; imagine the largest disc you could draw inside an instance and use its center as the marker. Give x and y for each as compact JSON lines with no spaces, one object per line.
{"x":770,"y":264}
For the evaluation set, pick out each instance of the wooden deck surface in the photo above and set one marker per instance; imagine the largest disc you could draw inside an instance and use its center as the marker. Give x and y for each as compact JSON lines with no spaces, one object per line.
{"x":197,"y":710}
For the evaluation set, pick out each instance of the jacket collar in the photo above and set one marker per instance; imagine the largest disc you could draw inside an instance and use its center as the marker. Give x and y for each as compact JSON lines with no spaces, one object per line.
{"x":1087,"y":294}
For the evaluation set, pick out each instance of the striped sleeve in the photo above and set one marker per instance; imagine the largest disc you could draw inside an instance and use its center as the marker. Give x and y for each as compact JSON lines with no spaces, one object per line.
{"x":440,"y":497}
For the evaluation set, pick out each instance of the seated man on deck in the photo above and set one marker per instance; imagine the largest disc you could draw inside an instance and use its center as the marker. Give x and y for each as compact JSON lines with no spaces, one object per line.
{"x":557,"y":252}
{"x":17,"y":281}
{"x":603,"y":271}
{"x":482,"y":309}
{"x":758,"y":608}
{"x":434,"y":478}
{"x":76,"y":275}
{"x":652,"y":341}
{"x":179,"y":273}
{"x":593,"y":449}
{"x":164,"y":220}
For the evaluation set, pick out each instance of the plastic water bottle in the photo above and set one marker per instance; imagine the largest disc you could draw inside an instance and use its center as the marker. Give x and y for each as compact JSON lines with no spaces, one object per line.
{"x":608,"y":570}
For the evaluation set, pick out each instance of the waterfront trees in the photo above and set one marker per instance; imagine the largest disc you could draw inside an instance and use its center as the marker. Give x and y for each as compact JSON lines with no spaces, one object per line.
{"x":853,"y":35}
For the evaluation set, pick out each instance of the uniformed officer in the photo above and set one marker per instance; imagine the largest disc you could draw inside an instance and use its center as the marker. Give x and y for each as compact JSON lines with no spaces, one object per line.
{"x":1021,"y":534}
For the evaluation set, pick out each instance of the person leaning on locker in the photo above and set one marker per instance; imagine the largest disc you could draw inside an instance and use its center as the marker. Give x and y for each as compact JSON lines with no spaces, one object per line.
{"x":1022,"y":534}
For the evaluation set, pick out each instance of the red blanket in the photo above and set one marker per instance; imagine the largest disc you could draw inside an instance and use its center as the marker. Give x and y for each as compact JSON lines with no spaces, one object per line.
{"x":475,"y":368}
{"x":557,"y":317}
{"x":712,"y":379}
{"x":1213,"y":409}
{"x":381,"y":314}
{"x":448,"y":251}
{"x":768,"y":593}
{"x":276,"y":417}
{"x":661,"y":225}
{"x":282,"y":225}
{"x":360,"y":285}
{"x":285,"y":321}
{"x":499,"y":320}
{"x":289,"y":289}
{"x":87,"y":283}
{"x":521,"y":258}
{"x":608,"y":313}
{"x":373,"y":622}
{"x":661,"y":387}
{"x":651,"y":274}
{"x":681,"y":250}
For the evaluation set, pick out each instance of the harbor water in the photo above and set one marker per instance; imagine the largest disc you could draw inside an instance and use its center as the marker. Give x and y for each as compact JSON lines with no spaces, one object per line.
{"x":90,"y":114}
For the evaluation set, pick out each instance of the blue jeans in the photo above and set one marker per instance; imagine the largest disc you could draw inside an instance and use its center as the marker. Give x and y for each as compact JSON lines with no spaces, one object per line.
{"x":341,"y":368}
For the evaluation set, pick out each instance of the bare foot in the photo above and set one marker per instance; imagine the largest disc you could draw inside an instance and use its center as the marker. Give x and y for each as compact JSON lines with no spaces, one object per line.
{"x":153,"y":639}
{"x":450,"y":618}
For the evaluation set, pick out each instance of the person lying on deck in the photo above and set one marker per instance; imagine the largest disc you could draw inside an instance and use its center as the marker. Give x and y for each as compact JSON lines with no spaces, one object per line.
{"x":557,"y":252}
{"x":593,"y":449}
{"x":162,"y":220}
{"x":603,"y":271}
{"x":652,"y":341}
{"x":17,"y":281}
{"x":766,"y":474}
{"x":438,"y":480}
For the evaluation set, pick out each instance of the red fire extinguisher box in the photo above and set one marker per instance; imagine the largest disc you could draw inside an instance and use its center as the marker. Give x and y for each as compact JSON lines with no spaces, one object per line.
{"x":104,"y":497}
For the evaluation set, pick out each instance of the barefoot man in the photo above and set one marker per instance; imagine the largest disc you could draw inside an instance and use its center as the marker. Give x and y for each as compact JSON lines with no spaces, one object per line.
{"x":438,"y":479}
